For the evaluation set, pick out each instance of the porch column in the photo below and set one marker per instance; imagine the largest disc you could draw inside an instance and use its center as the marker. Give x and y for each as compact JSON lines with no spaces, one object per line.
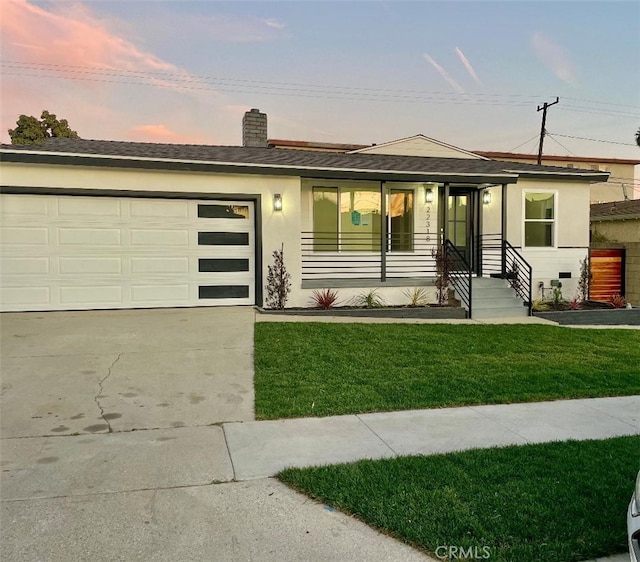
{"x":478,"y":206}
{"x":443,"y":206}
{"x":383,"y":231}
{"x":503,"y":198}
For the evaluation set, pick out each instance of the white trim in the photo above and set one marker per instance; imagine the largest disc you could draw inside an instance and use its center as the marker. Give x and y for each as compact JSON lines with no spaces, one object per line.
{"x":556,"y":196}
{"x":422,"y":137}
{"x":547,"y":173}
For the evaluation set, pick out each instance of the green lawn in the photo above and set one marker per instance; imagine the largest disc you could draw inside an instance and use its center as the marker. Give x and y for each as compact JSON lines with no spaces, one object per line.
{"x":315,"y":369}
{"x":552,"y":502}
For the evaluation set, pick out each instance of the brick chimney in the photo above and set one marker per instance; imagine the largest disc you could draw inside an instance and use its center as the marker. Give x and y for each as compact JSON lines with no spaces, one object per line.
{"x":254,"y":129}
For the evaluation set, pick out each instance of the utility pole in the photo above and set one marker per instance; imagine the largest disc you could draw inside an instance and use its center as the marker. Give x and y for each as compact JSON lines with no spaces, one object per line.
{"x":542,"y":129}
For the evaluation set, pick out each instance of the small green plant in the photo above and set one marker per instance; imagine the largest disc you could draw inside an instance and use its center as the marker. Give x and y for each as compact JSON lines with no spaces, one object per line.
{"x":324,"y":299}
{"x":539,"y":305}
{"x":369,"y":300}
{"x":557,"y":295}
{"x":618,"y":301}
{"x":278,"y":281}
{"x":418,"y":296}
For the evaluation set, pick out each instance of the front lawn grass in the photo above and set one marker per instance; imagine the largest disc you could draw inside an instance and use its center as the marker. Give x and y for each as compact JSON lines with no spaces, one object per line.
{"x":551,"y":502}
{"x":315,"y":369}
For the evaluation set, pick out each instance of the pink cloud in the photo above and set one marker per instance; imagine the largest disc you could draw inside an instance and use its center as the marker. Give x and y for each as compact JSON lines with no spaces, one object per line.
{"x":71,"y":37}
{"x":64,"y":58}
{"x":163,"y":134}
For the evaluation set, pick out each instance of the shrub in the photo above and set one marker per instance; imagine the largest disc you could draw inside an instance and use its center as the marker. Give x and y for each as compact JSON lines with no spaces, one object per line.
{"x":444,"y":265}
{"x":583,"y":281}
{"x":278,"y":281}
{"x":539,"y":305}
{"x":618,"y":301}
{"x":418,"y":296}
{"x":575,"y":304}
{"x":369,"y":300}
{"x":324,"y":299}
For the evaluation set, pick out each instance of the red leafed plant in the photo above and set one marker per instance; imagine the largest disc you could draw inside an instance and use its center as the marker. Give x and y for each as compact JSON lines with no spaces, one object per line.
{"x":575,"y":304}
{"x":618,"y":301}
{"x":324,"y":299}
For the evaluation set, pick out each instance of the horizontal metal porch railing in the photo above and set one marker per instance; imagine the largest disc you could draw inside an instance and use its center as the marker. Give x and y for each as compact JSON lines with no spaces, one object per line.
{"x":355,"y":256}
{"x":501,"y":259}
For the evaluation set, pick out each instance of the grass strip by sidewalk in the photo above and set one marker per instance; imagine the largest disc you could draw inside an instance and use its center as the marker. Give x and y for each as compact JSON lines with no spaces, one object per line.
{"x":316,"y":369}
{"x":563,"y":501}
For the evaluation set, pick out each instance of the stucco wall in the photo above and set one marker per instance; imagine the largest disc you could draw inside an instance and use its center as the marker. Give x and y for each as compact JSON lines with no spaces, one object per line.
{"x":632,"y":274}
{"x":616,"y":231}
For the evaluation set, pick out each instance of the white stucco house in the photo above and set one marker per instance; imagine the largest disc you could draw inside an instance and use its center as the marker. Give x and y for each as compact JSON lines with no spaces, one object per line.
{"x":89,"y":224}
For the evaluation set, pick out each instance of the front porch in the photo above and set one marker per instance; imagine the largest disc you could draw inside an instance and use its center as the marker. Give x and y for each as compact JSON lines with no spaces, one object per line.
{"x":490,"y":275}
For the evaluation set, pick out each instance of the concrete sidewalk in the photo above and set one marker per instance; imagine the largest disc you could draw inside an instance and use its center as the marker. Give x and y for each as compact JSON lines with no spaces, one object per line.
{"x":259,"y":449}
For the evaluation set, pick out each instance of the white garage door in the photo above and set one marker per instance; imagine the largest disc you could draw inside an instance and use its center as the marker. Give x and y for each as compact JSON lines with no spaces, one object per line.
{"x":76,"y":252}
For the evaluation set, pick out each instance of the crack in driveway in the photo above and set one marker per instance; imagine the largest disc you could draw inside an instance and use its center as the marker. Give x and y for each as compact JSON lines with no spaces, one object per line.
{"x":100,"y":384}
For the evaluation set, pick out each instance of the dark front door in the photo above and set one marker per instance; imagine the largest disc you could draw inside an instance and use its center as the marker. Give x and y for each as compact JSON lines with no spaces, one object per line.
{"x":461,"y":223}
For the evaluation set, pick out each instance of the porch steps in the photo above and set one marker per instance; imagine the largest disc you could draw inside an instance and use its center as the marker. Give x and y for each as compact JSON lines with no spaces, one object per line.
{"x":494,"y":298}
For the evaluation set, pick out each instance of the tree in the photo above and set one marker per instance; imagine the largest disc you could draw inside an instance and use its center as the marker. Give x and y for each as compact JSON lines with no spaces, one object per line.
{"x":31,"y":130}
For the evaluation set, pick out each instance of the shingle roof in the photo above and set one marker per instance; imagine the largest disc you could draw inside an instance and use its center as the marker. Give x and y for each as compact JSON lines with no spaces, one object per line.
{"x":616,"y":210}
{"x":238,"y":156}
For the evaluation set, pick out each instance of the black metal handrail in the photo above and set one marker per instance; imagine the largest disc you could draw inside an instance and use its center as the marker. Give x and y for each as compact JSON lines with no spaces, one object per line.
{"x":518,"y":273}
{"x":362,"y":256}
{"x":459,"y":273}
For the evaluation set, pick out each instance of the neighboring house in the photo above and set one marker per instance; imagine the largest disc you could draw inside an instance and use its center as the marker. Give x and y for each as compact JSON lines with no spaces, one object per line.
{"x":102,"y":224}
{"x":615,"y":238}
{"x":621,"y":184}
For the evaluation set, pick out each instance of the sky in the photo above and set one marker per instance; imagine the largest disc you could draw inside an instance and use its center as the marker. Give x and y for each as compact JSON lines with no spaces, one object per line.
{"x":471,"y":74}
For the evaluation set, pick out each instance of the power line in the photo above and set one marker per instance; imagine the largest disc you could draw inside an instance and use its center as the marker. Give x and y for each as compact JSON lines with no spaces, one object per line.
{"x":597,"y":111}
{"x":560,"y":144}
{"x":602,"y":102}
{"x":224,"y":84}
{"x":594,"y":140}
{"x":525,"y":142}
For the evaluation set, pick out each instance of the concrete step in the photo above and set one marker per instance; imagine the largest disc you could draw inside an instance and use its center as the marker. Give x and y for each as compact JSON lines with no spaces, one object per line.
{"x":499,"y":312}
{"x":494,"y":298}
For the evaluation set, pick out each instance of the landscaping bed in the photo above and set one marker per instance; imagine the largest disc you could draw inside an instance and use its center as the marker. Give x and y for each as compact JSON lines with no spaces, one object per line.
{"x":557,"y":502}
{"x":430,"y":312}
{"x":598,"y":317}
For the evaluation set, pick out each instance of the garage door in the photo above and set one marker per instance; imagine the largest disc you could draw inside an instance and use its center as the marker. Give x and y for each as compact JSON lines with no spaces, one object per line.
{"x":76,"y":252}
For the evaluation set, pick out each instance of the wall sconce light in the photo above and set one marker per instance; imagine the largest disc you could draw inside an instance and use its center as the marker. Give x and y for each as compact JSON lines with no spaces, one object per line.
{"x":486,"y":197}
{"x":428,"y":195}
{"x":277,"y":202}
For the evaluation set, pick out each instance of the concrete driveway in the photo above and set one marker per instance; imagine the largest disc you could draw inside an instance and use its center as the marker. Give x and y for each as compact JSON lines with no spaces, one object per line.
{"x":112,"y":446}
{"x":65,"y":373}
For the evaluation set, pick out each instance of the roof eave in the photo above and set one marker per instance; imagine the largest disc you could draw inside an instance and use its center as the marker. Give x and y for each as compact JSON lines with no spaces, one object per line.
{"x":69,"y":159}
{"x":616,"y":218}
{"x":575,"y":176}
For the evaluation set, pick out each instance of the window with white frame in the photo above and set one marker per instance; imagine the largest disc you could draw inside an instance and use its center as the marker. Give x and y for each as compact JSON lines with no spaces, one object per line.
{"x":539,"y":219}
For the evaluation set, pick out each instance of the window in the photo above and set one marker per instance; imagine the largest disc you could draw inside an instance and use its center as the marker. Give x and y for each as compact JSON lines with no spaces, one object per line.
{"x":350,"y":219}
{"x":400,"y":209}
{"x":539,"y":219}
